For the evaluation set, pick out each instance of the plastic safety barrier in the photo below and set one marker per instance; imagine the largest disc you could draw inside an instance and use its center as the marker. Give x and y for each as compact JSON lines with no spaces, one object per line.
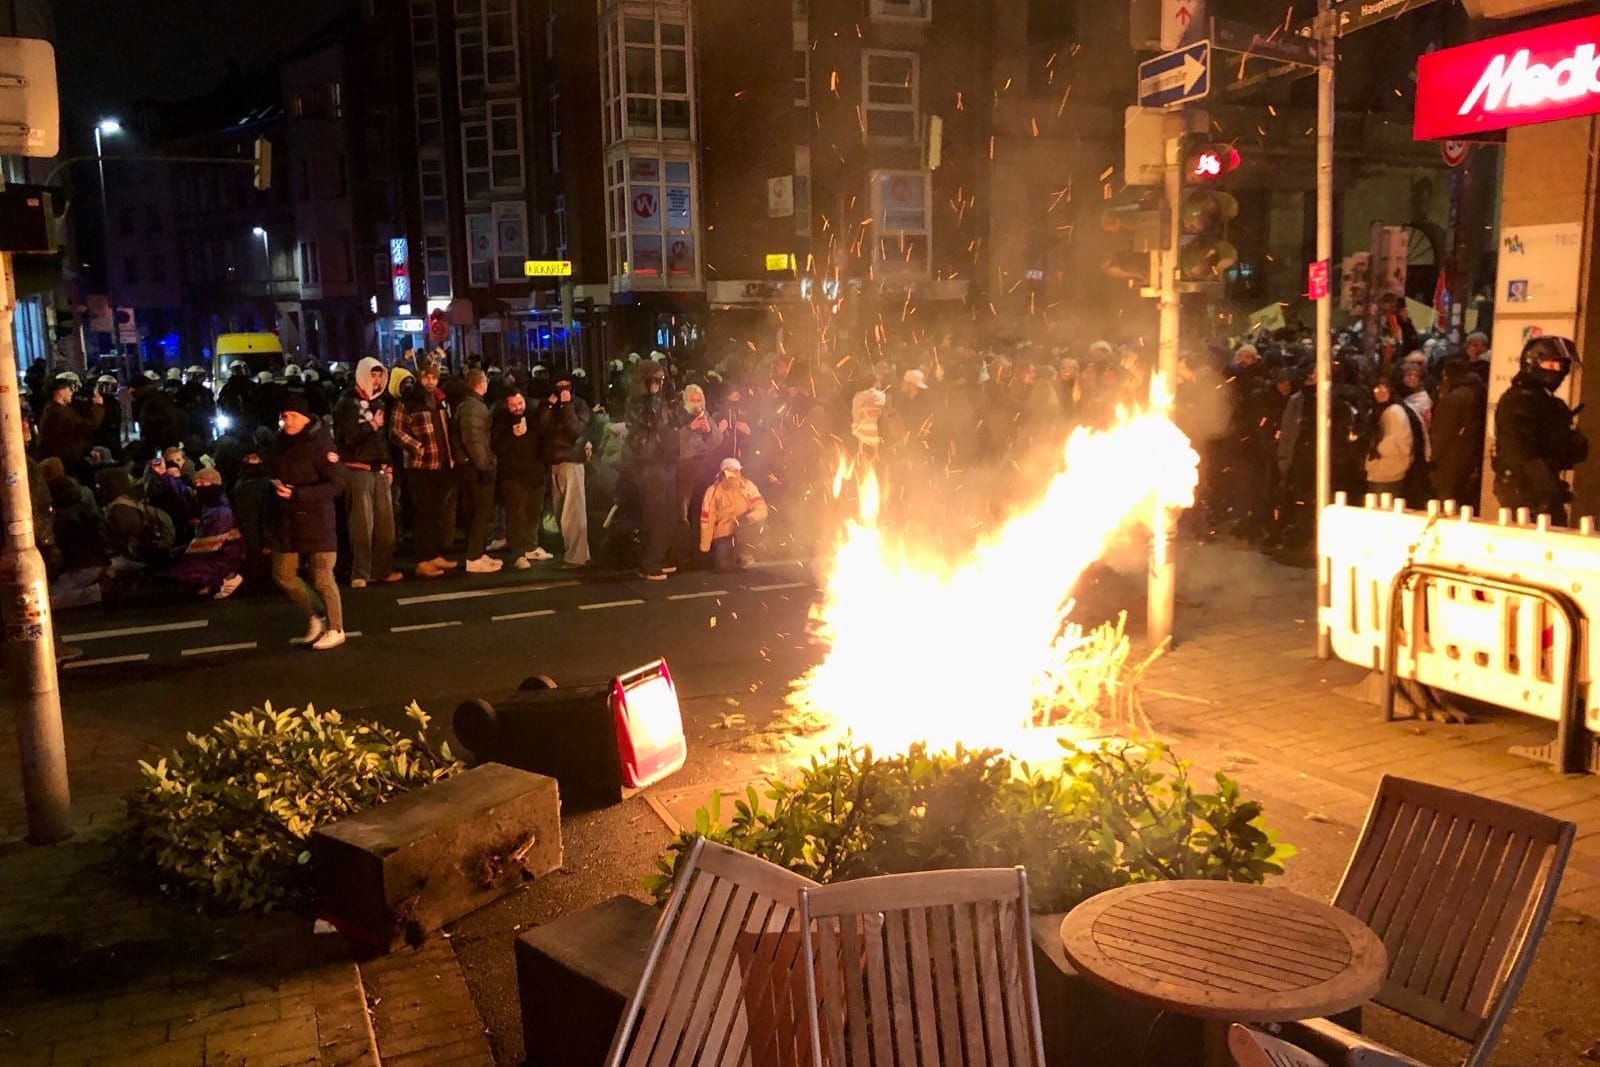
{"x":1492,"y":610}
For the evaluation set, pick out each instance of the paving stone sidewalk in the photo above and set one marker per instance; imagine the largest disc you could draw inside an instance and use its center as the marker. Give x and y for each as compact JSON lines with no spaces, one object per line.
{"x":94,"y":972}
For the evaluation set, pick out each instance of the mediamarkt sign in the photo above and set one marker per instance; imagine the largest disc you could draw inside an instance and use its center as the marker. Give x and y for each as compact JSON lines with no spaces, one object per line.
{"x":1540,"y":75}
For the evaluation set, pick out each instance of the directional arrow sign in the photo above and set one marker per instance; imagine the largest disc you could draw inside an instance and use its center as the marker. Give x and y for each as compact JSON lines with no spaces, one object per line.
{"x":1176,"y":77}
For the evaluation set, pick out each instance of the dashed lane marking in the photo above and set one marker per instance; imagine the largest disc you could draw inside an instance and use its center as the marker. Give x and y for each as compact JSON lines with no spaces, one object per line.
{"x":348,"y":634}
{"x":424,"y":626}
{"x":775,"y":588}
{"x":609,"y":604}
{"x":476,"y":594}
{"x":698,"y":596}
{"x":243,"y":646}
{"x":523,"y":615}
{"x":106,"y":661}
{"x":134,"y":631}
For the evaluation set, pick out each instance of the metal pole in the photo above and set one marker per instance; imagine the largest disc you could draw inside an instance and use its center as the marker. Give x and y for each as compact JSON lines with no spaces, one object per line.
{"x":30,"y":657}
{"x":1325,"y":119}
{"x":105,"y":247}
{"x":1163,"y":584}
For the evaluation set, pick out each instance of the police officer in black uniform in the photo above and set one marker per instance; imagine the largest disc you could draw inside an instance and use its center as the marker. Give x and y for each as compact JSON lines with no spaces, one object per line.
{"x":1535,"y":439}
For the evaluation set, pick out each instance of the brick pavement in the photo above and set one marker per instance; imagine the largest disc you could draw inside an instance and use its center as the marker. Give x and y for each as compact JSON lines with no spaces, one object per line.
{"x":94,"y":972}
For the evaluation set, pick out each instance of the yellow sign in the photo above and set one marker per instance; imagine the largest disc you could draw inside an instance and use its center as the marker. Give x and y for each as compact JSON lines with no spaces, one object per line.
{"x":780,"y":261}
{"x":547,"y":268}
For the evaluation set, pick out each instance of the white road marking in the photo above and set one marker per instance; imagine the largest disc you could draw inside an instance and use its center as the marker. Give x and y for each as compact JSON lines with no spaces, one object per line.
{"x":348,"y":634}
{"x":134,"y":631}
{"x":424,"y":626}
{"x":243,"y":646}
{"x":609,"y":604}
{"x":698,"y":596}
{"x":106,"y":662}
{"x":475,"y":594}
{"x":523,"y":615}
{"x":774,"y":588}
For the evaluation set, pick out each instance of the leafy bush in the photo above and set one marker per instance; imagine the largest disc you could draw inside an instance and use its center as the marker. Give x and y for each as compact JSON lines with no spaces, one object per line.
{"x":224,"y":822}
{"x":1103,"y":818}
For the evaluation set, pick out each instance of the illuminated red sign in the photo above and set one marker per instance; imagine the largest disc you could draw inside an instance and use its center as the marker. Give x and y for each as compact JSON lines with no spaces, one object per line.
{"x":1212,"y":162}
{"x":1539,"y":75}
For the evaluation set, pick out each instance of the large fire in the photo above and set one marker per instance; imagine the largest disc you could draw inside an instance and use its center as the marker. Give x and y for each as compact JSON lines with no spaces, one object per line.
{"x":948,"y":651}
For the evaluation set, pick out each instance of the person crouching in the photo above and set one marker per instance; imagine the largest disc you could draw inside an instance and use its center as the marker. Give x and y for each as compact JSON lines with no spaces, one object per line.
{"x":731,"y":518}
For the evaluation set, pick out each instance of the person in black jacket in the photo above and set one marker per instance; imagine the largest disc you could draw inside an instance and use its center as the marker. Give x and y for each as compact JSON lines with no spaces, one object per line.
{"x":64,"y":430}
{"x":306,"y":482}
{"x":562,"y":423}
{"x":1457,"y":433}
{"x":514,"y":436}
{"x":1534,"y":439}
{"x":653,"y":450}
{"x":361,"y":433}
{"x":476,"y":470}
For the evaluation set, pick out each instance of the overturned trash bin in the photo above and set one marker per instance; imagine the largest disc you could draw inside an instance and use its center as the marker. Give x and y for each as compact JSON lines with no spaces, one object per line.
{"x":595,"y":740}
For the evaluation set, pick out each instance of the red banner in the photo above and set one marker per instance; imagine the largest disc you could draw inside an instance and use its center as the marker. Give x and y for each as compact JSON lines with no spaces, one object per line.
{"x":1538,"y":75}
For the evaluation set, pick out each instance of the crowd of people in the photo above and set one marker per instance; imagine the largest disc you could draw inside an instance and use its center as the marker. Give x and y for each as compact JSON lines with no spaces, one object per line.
{"x":307,"y":479}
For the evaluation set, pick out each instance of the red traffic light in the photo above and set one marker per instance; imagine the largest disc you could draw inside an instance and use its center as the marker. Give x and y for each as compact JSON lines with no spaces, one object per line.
{"x":1211,"y":162}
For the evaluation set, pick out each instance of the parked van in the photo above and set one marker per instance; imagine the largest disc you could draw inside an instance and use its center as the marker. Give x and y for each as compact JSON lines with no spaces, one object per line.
{"x":258,"y":351}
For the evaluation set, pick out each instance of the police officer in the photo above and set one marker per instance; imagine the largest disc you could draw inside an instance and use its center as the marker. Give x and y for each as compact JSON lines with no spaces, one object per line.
{"x":1535,"y":439}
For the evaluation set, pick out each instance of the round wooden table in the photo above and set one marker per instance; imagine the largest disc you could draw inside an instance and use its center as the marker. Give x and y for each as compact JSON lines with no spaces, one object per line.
{"x":1224,"y":951}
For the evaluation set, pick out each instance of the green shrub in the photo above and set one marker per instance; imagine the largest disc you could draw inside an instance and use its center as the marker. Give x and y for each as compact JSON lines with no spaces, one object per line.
{"x":1103,"y":818}
{"x":224,"y":821}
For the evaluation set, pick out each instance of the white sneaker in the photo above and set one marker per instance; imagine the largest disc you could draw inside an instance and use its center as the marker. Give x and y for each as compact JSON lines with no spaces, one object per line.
{"x":315,"y":629}
{"x":538,"y":555}
{"x":358,"y":583}
{"x":522,"y":564}
{"x":496,"y":545}
{"x":483,"y":565}
{"x":230,"y":586}
{"x":331,"y":639}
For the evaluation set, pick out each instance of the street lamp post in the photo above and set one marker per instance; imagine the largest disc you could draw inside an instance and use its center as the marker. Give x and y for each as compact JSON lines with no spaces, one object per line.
{"x":266,"y":254}
{"x":105,"y":128}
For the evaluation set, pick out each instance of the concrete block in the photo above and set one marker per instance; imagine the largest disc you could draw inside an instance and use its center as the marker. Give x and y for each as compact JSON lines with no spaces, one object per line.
{"x":574,"y":978}
{"x":436,"y":854}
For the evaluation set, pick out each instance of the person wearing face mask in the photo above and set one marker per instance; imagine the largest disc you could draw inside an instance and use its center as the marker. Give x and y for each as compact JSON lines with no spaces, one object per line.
{"x":519,"y":455}
{"x":1534,"y":436}
{"x":361,"y":433}
{"x":699,"y":439}
{"x":211,"y":562}
{"x":653,"y":452}
{"x":306,"y":483}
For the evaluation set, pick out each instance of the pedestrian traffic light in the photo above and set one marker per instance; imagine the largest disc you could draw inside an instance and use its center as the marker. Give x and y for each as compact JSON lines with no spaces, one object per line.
{"x":1205,"y":213}
{"x":263,"y":164}
{"x":1135,"y":214}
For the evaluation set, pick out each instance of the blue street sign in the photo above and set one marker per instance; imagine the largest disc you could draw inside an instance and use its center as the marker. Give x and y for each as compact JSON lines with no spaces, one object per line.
{"x":1176,"y":77}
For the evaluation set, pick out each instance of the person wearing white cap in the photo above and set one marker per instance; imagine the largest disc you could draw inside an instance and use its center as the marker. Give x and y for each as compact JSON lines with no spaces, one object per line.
{"x":731,"y":518}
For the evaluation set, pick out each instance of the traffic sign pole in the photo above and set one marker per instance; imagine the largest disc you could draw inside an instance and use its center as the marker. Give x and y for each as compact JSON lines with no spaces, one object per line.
{"x":1325,"y":119}
{"x":1162,"y":595}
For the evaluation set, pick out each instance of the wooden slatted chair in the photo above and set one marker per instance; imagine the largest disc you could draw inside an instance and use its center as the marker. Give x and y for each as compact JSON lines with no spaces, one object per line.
{"x":722,"y":985}
{"x":933,"y":969}
{"x":1251,"y":1048}
{"x":1460,"y":888}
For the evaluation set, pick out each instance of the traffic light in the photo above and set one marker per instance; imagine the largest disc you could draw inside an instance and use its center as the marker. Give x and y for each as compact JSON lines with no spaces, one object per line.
{"x":263,"y":164}
{"x":1136,"y":212}
{"x":1205,"y":213}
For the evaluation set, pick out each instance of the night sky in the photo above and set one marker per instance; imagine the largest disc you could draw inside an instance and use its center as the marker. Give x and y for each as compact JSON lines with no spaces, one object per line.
{"x":112,"y":53}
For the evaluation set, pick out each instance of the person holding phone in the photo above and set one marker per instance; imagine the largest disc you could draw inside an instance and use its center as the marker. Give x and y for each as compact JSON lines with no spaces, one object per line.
{"x":562,"y":423}
{"x":522,"y":475}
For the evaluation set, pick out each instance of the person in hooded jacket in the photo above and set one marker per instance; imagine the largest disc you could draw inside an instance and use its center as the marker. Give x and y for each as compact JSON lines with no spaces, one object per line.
{"x":700,"y":438}
{"x":361,"y":433}
{"x":653,"y":455}
{"x":563,"y":423}
{"x":1535,"y":439}
{"x":306,"y":483}
{"x":1459,"y":419}
{"x":1397,"y":461}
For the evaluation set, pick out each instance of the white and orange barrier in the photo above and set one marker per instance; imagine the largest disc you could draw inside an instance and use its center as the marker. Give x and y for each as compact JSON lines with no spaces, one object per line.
{"x":1497,"y":611}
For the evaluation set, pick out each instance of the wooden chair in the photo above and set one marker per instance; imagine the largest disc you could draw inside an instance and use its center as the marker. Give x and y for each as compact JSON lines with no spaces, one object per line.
{"x":1460,"y":888}
{"x":721,"y":986}
{"x":933,"y":969}
{"x":1251,"y":1048}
